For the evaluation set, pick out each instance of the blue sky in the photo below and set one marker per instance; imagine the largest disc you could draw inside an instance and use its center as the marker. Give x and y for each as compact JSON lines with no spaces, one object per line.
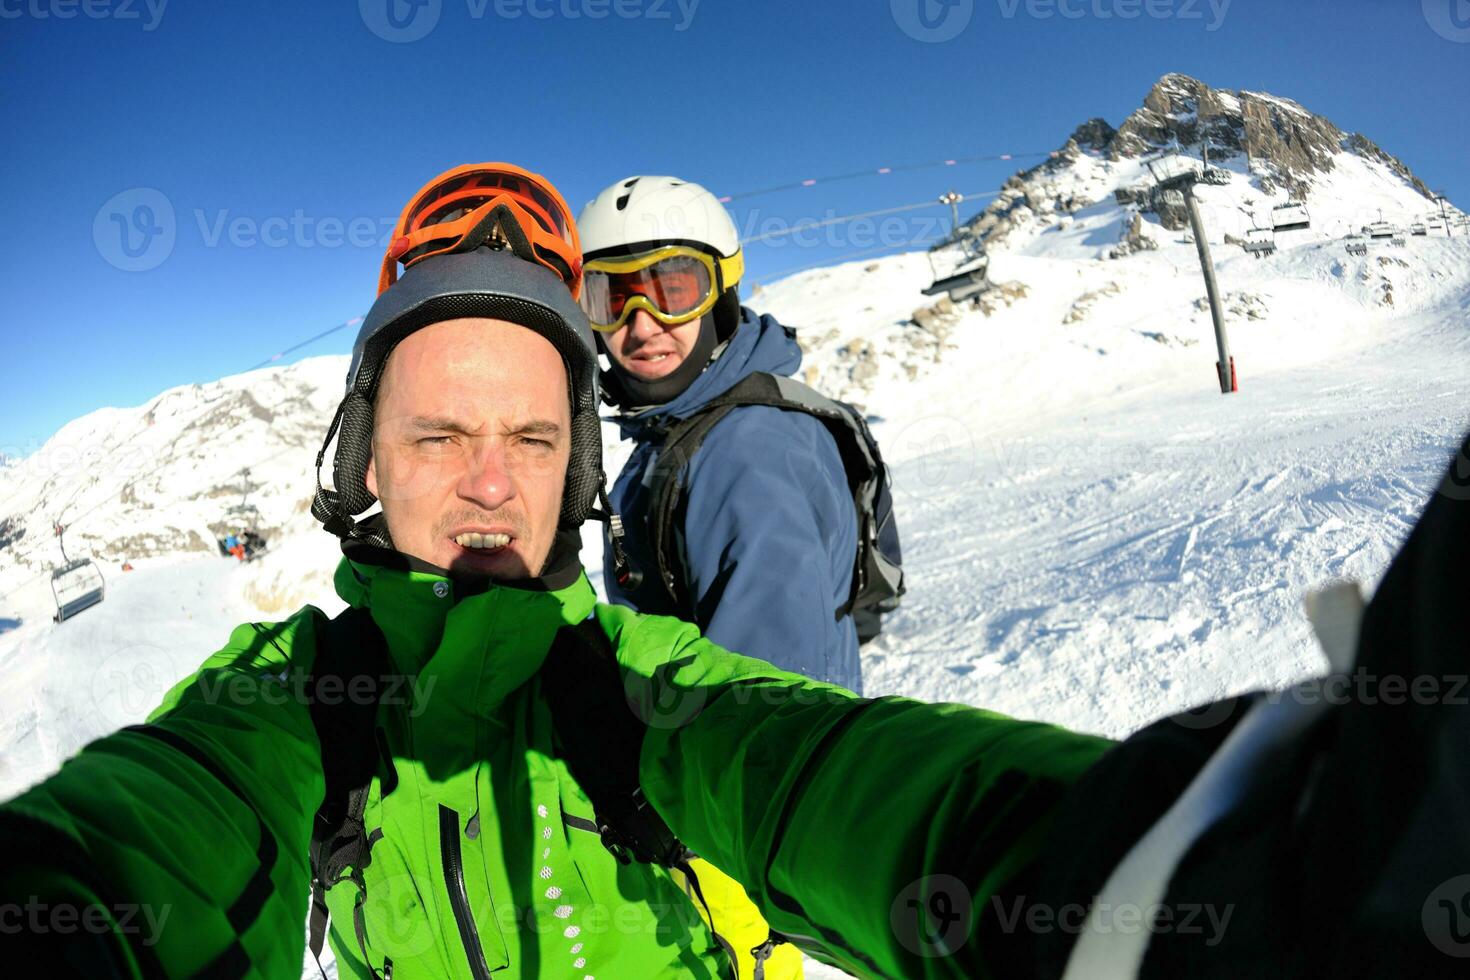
{"x":283,"y":137}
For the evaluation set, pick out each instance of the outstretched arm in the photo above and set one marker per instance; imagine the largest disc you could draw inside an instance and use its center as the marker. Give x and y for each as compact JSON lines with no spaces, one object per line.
{"x":876,"y":833}
{"x":178,"y":847}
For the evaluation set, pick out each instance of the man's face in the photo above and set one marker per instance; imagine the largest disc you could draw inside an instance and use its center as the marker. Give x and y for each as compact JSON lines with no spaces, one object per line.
{"x":471,"y":439}
{"x":649,"y":350}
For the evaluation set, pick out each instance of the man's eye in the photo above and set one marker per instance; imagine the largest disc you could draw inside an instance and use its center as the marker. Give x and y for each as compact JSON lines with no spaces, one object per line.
{"x":434,"y":441}
{"x":538,"y":443}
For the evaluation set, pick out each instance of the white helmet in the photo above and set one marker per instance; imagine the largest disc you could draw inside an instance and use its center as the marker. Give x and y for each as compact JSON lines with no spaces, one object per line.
{"x":642,"y":212}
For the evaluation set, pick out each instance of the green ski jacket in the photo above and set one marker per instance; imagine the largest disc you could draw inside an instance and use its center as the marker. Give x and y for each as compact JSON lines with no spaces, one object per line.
{"x":190,"y":834}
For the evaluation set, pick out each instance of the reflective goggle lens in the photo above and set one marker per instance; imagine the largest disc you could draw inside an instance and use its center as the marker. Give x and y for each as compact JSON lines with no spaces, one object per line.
{"x":675,"y":289}
{"x":457,"y":197}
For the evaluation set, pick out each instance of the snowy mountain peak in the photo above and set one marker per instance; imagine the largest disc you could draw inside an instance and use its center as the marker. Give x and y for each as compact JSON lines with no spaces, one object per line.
{"x":1278,"y":150}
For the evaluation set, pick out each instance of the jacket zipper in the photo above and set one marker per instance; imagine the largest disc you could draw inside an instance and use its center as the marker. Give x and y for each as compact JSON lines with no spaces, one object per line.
{"x":449,"y":854}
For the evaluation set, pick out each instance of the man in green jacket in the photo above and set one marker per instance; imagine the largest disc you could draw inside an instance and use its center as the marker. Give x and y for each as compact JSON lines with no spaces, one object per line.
{"x":471,"y":415}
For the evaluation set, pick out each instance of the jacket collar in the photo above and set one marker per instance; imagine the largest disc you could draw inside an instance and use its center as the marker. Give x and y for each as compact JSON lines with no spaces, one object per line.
{"x":491,"y":636}
{"x":760,"y":343}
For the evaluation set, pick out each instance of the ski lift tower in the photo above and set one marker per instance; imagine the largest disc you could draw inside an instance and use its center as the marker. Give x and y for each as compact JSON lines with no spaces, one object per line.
{"x":1178,"y":175}
{"x":1441,"y":200}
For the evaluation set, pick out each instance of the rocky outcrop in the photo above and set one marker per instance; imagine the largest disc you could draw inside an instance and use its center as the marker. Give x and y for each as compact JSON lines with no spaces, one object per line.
{"x":1282,"y":145}
{"x":1135,"y":239}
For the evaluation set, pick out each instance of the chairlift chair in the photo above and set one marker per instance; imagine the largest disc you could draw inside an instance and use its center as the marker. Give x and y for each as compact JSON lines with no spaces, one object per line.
{"x":76,"y":585}
{"x":1291,"y":216}
{"x":969,"y":280}
{"x":1260,"y":242}
{"x":1380,"y":229}
{"x":1418,"y":229}
{"x":950,"y":255}
{"x":1356,"y":246}
{"x":1218,"y":176}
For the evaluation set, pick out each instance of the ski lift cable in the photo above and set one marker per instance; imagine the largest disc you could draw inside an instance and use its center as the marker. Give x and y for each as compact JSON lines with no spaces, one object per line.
{"x":879,"y":171}
{"x":91,"y":510}
{"x":842,"y":219}
{"x":781,"y":273}
{"x":309,"y":340}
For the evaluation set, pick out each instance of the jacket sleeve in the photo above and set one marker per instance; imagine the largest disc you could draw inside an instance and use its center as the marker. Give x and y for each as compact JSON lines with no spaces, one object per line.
{"x":879,"y":835}
{"x":189,"y":834}
{"x":769,"y":538}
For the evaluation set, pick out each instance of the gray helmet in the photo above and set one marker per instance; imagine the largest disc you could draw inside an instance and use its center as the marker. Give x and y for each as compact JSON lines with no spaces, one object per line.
{"x":481,"y":283}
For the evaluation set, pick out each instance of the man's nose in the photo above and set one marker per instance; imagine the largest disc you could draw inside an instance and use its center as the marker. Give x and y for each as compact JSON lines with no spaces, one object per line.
{"x":487,"y":481}
{"x":643,"y":325}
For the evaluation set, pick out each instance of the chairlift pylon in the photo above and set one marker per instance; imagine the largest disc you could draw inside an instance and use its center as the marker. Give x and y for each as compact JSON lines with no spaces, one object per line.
{"x":76,"y":584}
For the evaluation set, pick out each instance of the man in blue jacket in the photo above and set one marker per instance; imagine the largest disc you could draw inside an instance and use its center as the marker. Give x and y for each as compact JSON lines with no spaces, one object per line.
{"x":766,"y":532}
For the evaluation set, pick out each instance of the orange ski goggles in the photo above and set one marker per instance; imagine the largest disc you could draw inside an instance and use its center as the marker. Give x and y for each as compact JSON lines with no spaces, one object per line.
{"x":487,"y":204}
{"x":675,"y":285}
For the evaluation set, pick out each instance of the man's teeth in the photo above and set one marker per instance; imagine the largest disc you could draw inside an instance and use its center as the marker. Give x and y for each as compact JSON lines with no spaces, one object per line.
{"x":654,"y":357}
{"x":473,"y":539}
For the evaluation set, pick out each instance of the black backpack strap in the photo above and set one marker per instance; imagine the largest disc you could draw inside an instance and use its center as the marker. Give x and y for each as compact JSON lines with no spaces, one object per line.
{"x":861,"y":460}
{"x":666,"y":488}
{"x":600,"y":738}
{"x":347,"y":679}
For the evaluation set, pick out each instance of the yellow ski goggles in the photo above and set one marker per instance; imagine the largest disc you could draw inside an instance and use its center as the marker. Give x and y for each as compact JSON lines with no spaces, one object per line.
{"x":674,"y":284}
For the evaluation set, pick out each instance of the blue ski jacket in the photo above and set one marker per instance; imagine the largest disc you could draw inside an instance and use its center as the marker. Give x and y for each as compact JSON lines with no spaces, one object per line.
{"x":769,"y":531}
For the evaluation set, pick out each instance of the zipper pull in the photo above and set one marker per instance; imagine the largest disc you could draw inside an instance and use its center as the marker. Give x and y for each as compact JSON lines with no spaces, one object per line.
{"x":472,"y":829}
